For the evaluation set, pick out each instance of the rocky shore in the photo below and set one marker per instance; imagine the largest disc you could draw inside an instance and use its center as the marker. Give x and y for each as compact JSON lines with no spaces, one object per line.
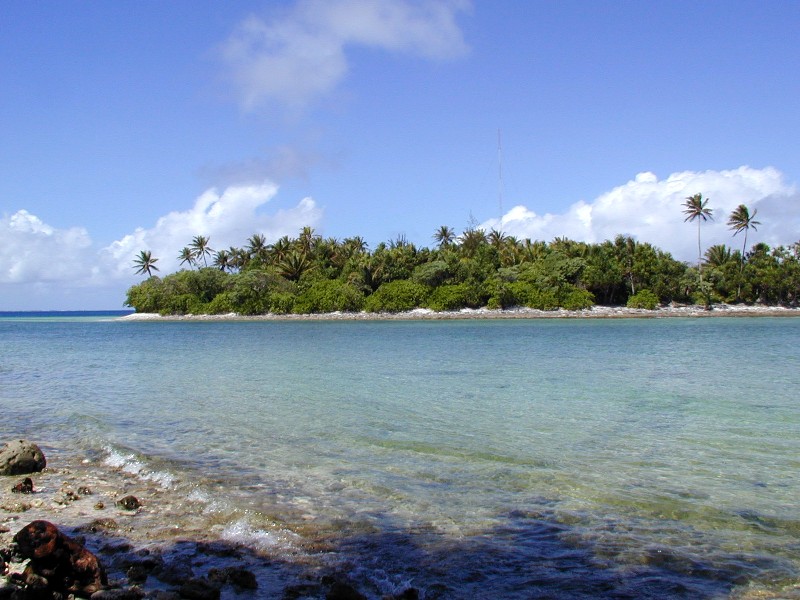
{"x":78,"y":531}
{"x":596,"y":312}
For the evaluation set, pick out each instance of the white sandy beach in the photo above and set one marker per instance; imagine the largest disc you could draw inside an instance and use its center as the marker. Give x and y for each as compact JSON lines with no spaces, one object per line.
{"x":596,"y":312}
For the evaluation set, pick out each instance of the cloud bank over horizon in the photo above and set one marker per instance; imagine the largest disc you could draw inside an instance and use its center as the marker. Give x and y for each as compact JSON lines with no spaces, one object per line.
{"x":40,"y":263}
{"x":301,"y":55}
{"x":650,"y":210}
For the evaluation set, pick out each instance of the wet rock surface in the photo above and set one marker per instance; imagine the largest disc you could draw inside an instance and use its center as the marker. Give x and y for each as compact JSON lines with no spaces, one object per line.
{"x":56,"y":562}
{"x":20,"y":457}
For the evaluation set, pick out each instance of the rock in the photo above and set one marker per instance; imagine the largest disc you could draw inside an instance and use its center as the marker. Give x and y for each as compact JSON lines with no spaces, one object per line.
{"x":24,"y":487}
{"x":407,"y":594}
{"x":164,"y":595}
{"x":137,"y":573}
{"x":99,"y":525}
{"x":58,"y":563}
{"x":199,"y":589}
{"x":84,"y":491}
{"x":122,"y":594}
{"x":240,"y":577}
{"x":20,"y":457}
{"x":129,"y":503}
{"x":341,"y":590}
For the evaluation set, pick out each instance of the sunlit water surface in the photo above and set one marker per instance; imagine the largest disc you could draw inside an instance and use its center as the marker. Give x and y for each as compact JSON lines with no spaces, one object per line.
{"x":516,"y":459}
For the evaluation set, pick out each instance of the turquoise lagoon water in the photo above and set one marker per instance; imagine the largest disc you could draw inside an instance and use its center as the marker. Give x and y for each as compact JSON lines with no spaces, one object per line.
{"x":512,"y":459}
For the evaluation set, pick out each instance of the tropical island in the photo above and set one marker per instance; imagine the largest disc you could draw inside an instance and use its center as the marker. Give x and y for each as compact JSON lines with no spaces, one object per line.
{"x":310,"y":275}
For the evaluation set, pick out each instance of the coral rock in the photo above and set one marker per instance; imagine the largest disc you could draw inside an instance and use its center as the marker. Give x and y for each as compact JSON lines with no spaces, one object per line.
{"x":21,"y":457}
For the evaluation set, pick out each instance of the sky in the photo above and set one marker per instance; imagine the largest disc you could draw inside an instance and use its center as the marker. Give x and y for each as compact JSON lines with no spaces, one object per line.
{"x":136,"y":125}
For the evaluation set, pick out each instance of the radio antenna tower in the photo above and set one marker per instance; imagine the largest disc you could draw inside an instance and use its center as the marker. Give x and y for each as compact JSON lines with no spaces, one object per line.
{"x":500,"y":175}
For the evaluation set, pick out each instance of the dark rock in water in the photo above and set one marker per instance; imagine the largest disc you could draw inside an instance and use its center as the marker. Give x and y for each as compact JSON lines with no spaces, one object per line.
{"x":24,"y":487}
{"x":84,"y":491}
{"x":301,"y":590}
{"x":122,"y":594}
{"x":199,"y":589}
{"x":129,"y":503}
{"x":341,"y":590}
{"x":164,"y":595}
{"x":176,"y":572}
{"x":99,"y":525}
{"x":241,"y":578}
{"x":137,"y":573}
{"x":58,"y":563}
{"x":21,"y":457}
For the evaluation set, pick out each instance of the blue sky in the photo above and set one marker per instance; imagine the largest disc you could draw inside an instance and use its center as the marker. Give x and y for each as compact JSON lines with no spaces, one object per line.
{"x":132,"y":125}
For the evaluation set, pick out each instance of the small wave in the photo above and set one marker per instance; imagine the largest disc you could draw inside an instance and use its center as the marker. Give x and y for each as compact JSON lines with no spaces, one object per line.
{"x":130,"y":463}
{"x":243,"y":533}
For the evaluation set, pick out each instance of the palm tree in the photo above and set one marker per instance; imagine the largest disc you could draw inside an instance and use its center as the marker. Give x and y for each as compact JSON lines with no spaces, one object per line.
{"x":223,"y":260}
{"x":145,"y":263}
{"x":444,"y":236}
{"x":742,"y":220}
{"x":718,"y":255}
{"x":186,"y":256}
{"x":695,"y":209}
{"x":201,"y":249}
{"x":257,"y":247}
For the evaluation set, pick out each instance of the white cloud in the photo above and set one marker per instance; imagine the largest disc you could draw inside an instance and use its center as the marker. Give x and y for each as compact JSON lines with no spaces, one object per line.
{"x":226,"y":218}
{"x":42,"y":262}
{"x":301,"y":55}
{"x":649,"y":209}
{"x":31,"y":250}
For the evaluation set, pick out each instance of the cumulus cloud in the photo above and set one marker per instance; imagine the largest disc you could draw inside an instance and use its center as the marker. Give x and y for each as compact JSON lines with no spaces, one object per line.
{"x":228,"y":218}
{"x":38,"y":260}
{"x":31,"y":250}
{"x":650,"y":210}
{"x":300,"y":55}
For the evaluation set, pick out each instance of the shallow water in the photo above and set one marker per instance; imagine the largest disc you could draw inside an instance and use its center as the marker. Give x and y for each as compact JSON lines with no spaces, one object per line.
{"x":516,"y":459}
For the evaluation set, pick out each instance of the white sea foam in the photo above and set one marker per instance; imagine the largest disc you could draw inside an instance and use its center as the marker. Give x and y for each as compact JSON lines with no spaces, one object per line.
{"x":129,"y":463}
{"x":243,"y":533}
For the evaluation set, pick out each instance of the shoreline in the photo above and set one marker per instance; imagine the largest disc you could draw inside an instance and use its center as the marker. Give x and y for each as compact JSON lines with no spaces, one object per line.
{"x":422,"y":314}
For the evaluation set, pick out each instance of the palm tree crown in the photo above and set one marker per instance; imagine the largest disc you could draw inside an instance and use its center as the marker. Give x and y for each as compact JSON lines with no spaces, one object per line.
{"x":742,"y":220}
{"x":145,"y":263}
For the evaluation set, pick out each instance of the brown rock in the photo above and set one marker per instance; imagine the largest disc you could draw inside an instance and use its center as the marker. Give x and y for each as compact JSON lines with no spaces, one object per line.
{"x":24,"y":487}
{"x":57,"y":562}
{"x":129,"y":503}
{"x":199,"y":589}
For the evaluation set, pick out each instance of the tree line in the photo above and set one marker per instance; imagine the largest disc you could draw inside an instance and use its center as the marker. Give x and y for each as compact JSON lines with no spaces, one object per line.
{"x":311,"y":274}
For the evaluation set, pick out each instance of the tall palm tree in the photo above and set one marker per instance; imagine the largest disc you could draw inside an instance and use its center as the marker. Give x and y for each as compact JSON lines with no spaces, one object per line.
{"x":695,"y":209}
{"x":186,"y":256}
{"x":201,"y":249}
{"x":145,"y":263}
{"x":444,"y":236}
{"x":742,"y":220}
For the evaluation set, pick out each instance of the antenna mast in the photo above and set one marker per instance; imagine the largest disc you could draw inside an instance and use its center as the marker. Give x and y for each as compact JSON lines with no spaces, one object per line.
{"x":500,"y":175}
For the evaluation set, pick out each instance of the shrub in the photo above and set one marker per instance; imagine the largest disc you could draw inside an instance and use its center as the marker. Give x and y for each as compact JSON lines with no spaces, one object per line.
{"x":576,"y":299}
{"x":643,"y":299}
{"x":453,"y":297}
{"x":397,"y":296}
{"x":146,"y":297}
{"x":329,"y":296}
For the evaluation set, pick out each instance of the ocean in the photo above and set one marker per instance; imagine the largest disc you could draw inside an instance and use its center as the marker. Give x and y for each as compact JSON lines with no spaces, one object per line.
{"x":581,"y":458}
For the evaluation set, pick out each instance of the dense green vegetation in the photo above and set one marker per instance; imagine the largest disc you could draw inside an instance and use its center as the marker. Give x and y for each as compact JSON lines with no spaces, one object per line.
{"x":310,"y":274}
